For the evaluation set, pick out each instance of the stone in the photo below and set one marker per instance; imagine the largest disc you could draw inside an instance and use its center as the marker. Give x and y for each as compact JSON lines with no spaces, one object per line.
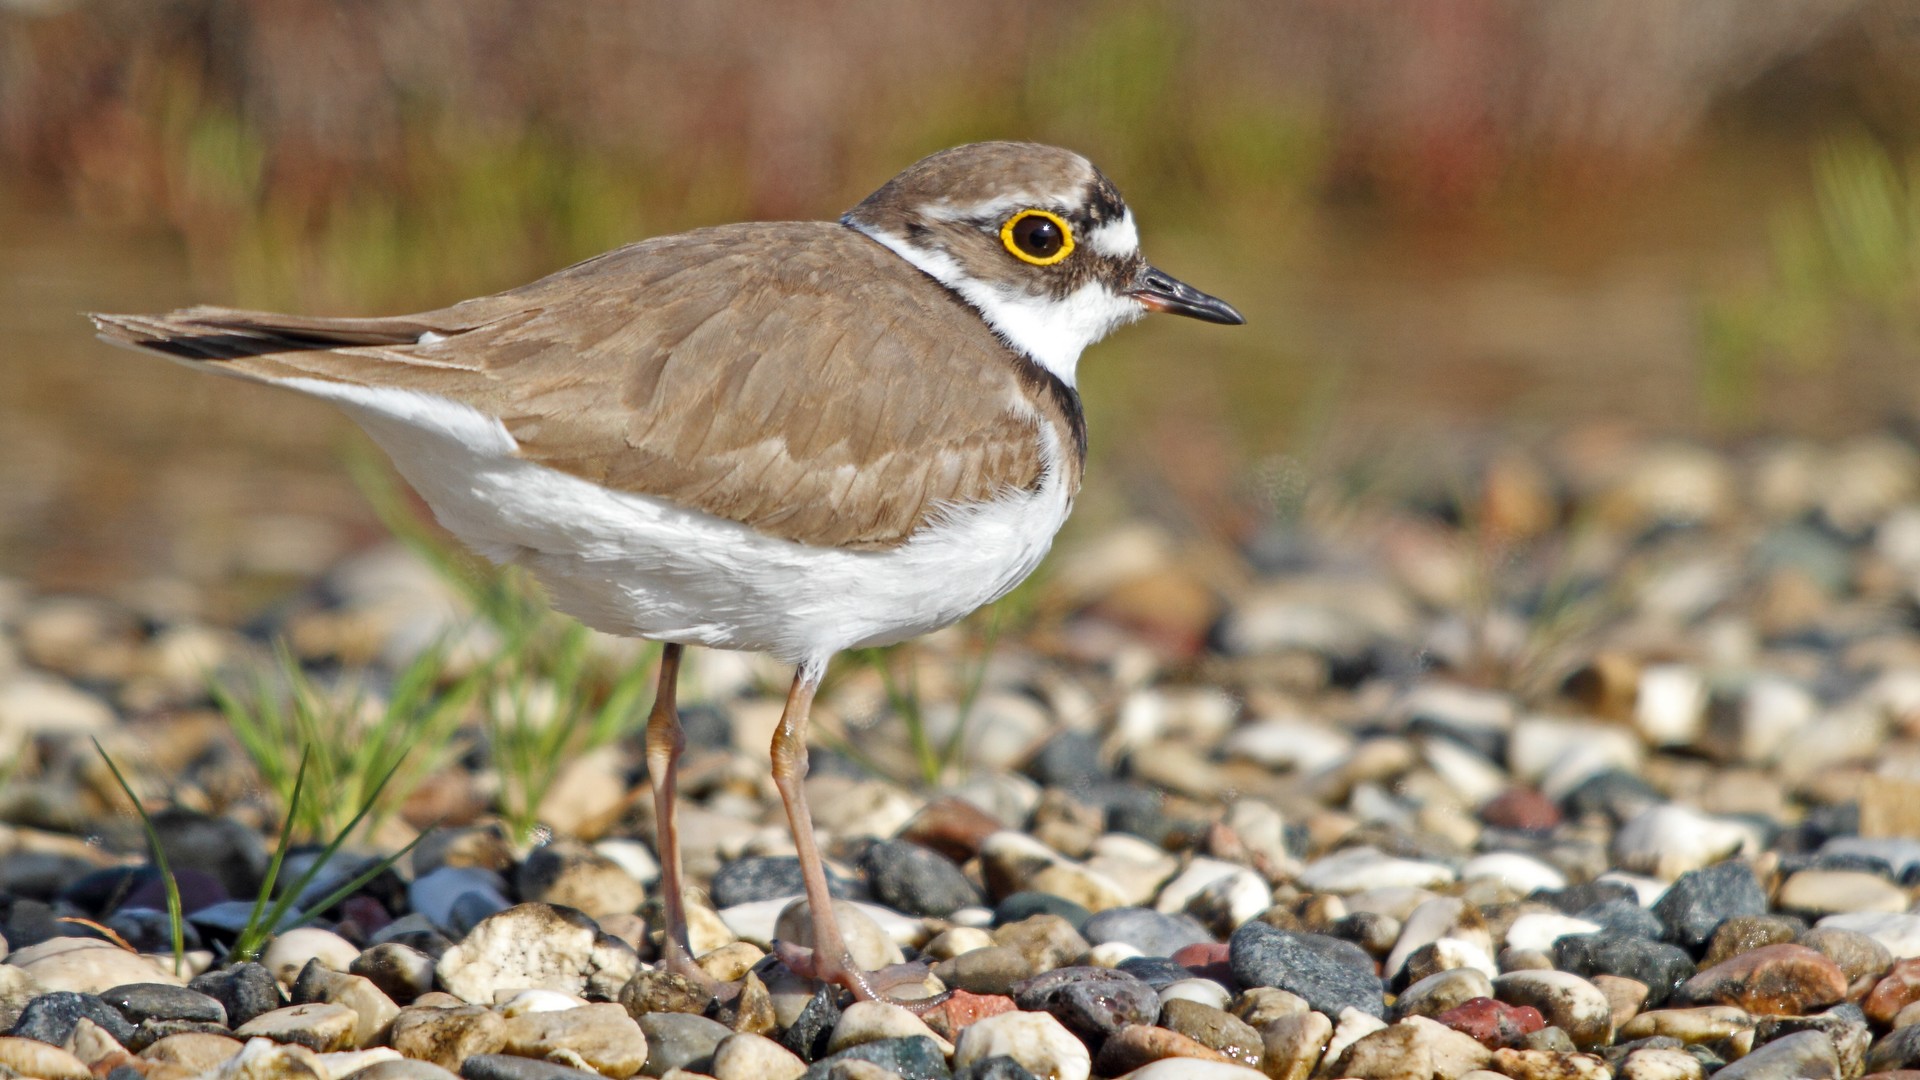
{"x":1898,"y":934}
{"x":808,"y":1033}
{"x":1770,"y":979}
{"x":51,"y":1018}
{"x":992,"y":970}
{"x":1661,"y":1063}
{"x":1414,"y":1047}
{"x":568,"y":873}
{"x":195,"y":1051}
{"x":872,"y":1021}
{"x":1808,"y":1055}
{"x":1657,"y":965}
{"x":1137,"y":1045}
{"x":243,"y":990}
{"x":1900,"y":1049}
{"x":1493,"y":1024}
{"x":1330,"y":974}
{"x":400,"y":1069}
{"x":1036,"y":1040}
{"x":399,"y":971}
{"x":1699,"y":1025}
{"x":769,"y":877}
{"x":1843,"y":1024}
{"x":1292,"y":1046}
{"x":1153,"y":933}
{"x":1189,"y":1069}
{"x":1700,"y":900}
{"x":289,"y":952}
{"x":916,"y":880}
{"x":1814,"y":893}
{"x":437,"y":894}
{"x":1359,"y":868}
{"x":1092,"y":1002}
{"x":536,"y":946}
{"x":1044,"y":941}
{"x":1214,"y":1028}
{"x":320,"y":1027}
{"x":755,"y":1057}
{"x":510,"y":1067}
{"x":1899,"y":988}
{"x":163,"y":1001}
{"x":1670,"y":841}
{"x":914,"y":1058}
{"x":447,"y":1037}
{"x":263,"y":1059}
{"x":1859,"y":956}
{"x":1352,"y":1026}
{"x":1567,"y":1001}
{"x":601,"y":1037}
{"x":655,"y":989}
{"x":88,"y":965}
{"x":1625,"y":917}
{"x":375,"y":1011}
{"x":33,"y":1058}
{"x":869,"y":945}
{"x":1626,"y":996}
{"x":1441,"y":991}
{"x":1744,"y":933}
{"x":1548,"y":1065}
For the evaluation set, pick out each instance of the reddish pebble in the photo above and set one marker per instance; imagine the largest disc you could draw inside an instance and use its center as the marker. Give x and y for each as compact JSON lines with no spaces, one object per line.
{"x":953,"y":827}
{"x":1207,"y":959}
{"x":961,"y":1008}
{"x":1493,"y":1024}
{"x":1773,"y":979}
{"x":1521,"y":808}
{"x":1900,"y":988}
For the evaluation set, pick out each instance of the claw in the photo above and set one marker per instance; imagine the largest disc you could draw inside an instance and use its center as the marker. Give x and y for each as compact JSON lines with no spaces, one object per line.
{"x":866,"y":985}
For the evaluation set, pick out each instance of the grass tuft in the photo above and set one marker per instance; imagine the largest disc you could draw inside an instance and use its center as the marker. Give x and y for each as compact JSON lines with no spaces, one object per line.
{"x":176,"y":921}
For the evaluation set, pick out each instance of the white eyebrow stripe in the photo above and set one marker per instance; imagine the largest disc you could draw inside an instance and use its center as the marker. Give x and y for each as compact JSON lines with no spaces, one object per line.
{"x":1115,"y":238}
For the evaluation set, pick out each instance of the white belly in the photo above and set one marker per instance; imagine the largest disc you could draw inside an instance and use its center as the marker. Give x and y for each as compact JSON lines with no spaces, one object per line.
{"x":637,"y":565}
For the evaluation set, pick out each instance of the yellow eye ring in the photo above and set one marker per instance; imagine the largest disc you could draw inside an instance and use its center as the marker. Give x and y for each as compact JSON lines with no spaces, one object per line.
{"x":1032,"y":235}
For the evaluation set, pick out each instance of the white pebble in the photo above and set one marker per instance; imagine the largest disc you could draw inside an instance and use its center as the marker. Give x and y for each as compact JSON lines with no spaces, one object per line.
{"x":1034,"y":1039}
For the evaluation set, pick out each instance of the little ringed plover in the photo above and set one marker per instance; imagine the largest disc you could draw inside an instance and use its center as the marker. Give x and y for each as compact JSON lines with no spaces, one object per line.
{"x":791,"y":438}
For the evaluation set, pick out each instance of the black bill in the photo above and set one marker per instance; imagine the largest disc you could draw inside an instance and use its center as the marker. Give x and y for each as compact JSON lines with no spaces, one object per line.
{"x":1161,"y":291}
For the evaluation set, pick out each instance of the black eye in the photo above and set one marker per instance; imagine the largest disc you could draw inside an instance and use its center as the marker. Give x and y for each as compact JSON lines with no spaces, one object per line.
{"x":1037,"y":237}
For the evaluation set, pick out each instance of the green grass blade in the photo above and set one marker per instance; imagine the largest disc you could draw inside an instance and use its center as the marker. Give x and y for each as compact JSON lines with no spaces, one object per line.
{"x":255,"y":935}
{"x":289,"y":895}
{"x":176,"y":920}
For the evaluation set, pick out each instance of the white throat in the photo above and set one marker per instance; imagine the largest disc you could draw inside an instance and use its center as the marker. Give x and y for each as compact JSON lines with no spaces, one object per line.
{"x":1051,"y":332}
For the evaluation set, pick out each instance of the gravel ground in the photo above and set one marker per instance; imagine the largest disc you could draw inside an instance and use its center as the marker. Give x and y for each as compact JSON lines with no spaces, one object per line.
{"x":1605,"y":764}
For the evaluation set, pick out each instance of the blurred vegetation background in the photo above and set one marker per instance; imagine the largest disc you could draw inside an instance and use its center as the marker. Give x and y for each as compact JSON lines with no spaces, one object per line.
{"x":1452,"y":219}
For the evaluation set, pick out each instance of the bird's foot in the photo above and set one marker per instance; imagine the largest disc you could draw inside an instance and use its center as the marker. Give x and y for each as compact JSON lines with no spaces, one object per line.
{"x":866,"y":985}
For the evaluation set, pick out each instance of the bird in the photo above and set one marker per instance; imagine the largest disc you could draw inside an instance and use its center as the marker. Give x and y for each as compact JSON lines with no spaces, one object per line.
{"x":792,"y":438}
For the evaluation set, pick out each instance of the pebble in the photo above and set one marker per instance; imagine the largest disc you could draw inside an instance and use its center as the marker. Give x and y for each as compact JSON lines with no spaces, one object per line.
{"x":400,"y":1069}
{"x":320,"y":1027}
{"x":755,"y":1057}
{"x":1332,"y":975}
{"x":1898,"y":934}
{"x":571,"y":874}
{"x":1092,"y":1002}
{"x":1808,"y":1055}
{"x":1744,"y":933}
{"x":88,"y":965}
{"x":375,"y":1011}
{"x":51,"y":1018}
{"x":1414,"y":1047}
{"x":400,"y":972}
{"x":1037,"y":1041}
{"x":1291,"y":1047}
{"x":1538,"y":931}
{"x":1493,"y":1024}
{"x":1814,"y":893}
{"x":600,"y":1037}
{"x":1661,"y":1063}
{"x":243,"y":990}
{"x":1153,"y":933}
{"x":1360,"y":868}
{"x":1137,"y":1045}
{"x":916,"y":880}
{"x":447,"y":1036}
{"x":1565,"y":1000}
{"x":870,"y":946}
{"x":679,"y":1040}
{"x":913,"y":1058}
{"x":35,"y":1058}
{"x":535,"y":946}
{"x":1659,"y":967}
{"x":1441,"y":991}
{"x":1772,"y":979}
{"x":1212,"y":1027}
{"x":1669,"y":841}
{"x":1187,"y":1069}
{"x":870,"y":1021}
{"x":163,"y":1001}
{"x":289,"y":952}
{"x":1701,"y":899}
{"x":1548,"y":1065}
{"x":513,"y":1067}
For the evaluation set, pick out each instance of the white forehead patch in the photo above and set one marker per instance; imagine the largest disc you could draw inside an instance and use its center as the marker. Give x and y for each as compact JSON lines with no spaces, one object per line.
{"x":1115,"y":238}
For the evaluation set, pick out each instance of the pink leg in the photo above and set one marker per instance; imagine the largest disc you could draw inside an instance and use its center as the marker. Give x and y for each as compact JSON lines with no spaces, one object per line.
{"x":830,"y":961}
{"x":665,"y":742}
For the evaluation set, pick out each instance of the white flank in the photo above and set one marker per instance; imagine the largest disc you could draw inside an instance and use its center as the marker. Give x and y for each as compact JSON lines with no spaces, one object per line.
{"x":633,"y":564}
{"x":1053,"y":332}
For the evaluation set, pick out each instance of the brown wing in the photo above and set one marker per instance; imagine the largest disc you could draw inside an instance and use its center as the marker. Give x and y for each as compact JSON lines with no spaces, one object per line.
{"x":787,"y":376}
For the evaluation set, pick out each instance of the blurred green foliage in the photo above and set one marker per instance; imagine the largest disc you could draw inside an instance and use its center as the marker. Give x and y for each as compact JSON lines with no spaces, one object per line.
{"x":1844,"y":278}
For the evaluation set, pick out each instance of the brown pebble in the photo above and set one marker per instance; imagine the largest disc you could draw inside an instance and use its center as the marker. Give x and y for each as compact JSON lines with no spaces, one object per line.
{"x":1858,"y":955}
{"x":1521,"y":808}
{"x":1139,"y":1044}
{"x":1625,"y":996}
{"x":753,"y":1010}
{"x":953,"y":827}
{"x":1899,"y":988}
{"x":657,"y":990}
{"x":1216,"y":1029}
{"x":447,"y":1037}
{"x":1773,"y":979}
{"x":1745,"y":933}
